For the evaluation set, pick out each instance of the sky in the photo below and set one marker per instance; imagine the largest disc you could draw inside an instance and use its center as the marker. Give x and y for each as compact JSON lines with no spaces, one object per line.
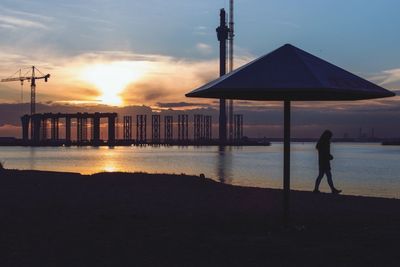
{"x":134,"y":53}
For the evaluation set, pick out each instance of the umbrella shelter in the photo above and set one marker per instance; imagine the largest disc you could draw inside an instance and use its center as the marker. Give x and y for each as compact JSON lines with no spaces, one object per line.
{"x":290,"y":74}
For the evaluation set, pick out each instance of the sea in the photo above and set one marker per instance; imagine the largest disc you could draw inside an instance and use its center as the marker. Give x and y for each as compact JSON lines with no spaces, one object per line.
{"x":366,"y":169}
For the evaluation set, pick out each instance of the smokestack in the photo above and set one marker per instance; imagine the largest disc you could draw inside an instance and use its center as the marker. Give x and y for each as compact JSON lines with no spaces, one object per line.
{"x":222,"y":34}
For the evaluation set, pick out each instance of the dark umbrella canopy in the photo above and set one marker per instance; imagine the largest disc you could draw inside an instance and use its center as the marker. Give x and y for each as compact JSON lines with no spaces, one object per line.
{"x":290,"y":73}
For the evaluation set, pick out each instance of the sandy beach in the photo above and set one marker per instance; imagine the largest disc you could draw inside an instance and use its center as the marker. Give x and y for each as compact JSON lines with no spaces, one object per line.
{"x":123,"y":219}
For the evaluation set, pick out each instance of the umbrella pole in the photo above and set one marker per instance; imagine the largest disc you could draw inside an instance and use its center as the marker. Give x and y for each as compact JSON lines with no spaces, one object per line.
{"x":286,"y":162}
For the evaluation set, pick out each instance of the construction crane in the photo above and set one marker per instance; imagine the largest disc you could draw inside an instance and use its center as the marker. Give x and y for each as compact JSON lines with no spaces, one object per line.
{"x":32,"y":78}
{"x":230,"y":38}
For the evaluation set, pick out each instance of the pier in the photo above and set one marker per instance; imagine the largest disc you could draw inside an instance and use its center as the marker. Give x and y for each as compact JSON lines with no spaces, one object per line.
{"x":87,"y":129}
{"x":38,"y":123}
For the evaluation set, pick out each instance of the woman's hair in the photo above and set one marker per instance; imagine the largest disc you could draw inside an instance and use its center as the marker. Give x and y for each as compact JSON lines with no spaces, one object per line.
{"x":325,"y":138}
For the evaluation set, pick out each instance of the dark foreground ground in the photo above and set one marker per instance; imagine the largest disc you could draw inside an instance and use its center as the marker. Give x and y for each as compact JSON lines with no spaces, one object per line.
{"x":116,"y":219}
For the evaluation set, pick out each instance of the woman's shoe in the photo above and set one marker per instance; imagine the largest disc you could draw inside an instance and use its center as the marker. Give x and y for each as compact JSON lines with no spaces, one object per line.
{"x":316,"y":191}
{"x":336,"y":191}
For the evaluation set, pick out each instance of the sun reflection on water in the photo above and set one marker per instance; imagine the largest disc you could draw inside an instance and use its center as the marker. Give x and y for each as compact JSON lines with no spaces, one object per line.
{"x":247,"y":166}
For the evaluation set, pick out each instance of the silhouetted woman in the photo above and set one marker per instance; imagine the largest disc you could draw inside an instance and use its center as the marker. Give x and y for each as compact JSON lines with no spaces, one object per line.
{"x":324,"y":157}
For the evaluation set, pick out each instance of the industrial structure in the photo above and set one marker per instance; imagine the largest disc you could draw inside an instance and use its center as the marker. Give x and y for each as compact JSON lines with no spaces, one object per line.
{"x":198,"y":127}
{"x":141,"y":128}
{"x":38,"y":123}
{"x":55,"y":126}
{"x":168,"y":129}
{"x":224,"y":34}
{"x":45,"y":130}
{"x":202,"y":128}
{"x":207,"y":128}
{"x":155,"y":129}
{"x":231,"y":66}
{"x":82,"y":126}
{"x":36,"y":127}
{"x":183,"y":128}
{"x":32,"y":78}
{"x":127,"y":128}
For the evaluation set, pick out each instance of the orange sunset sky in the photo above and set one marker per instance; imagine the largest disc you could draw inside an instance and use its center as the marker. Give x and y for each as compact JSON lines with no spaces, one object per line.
{"x":135,"y":53}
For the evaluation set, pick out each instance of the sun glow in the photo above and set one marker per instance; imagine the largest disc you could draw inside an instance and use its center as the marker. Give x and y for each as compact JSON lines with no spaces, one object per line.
{"x":110,"y":168}
{"x":112,"y":78}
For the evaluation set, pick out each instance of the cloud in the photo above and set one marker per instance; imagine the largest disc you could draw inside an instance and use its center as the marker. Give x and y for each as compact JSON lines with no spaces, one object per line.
{"x":15,"y":22}
{"x":26,"y":14}
{"x":181,"y":105}
{"x":156,"y":77}
{"x":168,"y":79}
{"x":388,"y":77}
{"x":204,"y":49}
{"x":158,"y":74}
{"x":7,"y":26}
{"x":163,"y":82}
{"x":201,"y":30}
{"x":146,"y":91}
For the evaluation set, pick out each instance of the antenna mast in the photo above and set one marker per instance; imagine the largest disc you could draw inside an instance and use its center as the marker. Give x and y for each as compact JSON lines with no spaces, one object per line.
{"x":231,"y":37}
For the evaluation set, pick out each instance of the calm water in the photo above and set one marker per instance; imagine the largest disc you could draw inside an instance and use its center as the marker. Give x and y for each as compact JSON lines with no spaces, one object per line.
{"x":358,"y":169}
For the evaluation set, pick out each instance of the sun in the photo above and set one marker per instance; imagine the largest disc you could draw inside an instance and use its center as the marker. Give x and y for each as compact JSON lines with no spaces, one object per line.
{"x":112,"y":78}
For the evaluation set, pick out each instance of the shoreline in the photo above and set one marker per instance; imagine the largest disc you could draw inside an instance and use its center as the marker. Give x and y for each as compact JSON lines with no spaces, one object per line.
{"x":121,"y":219}
{"x":15,"y":142}
{"x":140,"y":173}
{"x":237,"y":184}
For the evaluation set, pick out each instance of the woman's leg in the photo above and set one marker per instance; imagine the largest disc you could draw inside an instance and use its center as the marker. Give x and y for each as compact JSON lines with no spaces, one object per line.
{"x":330,"y":182}
{"x":318,"y":181}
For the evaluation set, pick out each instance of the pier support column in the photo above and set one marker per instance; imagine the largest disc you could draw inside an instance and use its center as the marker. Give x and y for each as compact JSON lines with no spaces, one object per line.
{"x":36,"y":128}
{"x":198,"y":127}
{"x":141,"y":129}
{"x":54,"y":129}
{"x":84,"y":129}
{"x":57,"y":129}
{"x":44,"y":129}
{"x":168,"y":129}
{"x":183,"y":128}
{"x":286,"y":163}
{"x":79,"y":128}
{"x":207,"y":128}
{"x":68,"y":130}
{"x":96,"y":128}
{"x":155,"y":128}
{"x":127,"y":129}
{"x":25,"y":128}
{"x":111,"y":129}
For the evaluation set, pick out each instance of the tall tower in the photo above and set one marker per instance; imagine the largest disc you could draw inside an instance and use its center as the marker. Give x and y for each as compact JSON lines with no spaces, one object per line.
{"x":222,"y":34}
{"x":231,"y":37}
